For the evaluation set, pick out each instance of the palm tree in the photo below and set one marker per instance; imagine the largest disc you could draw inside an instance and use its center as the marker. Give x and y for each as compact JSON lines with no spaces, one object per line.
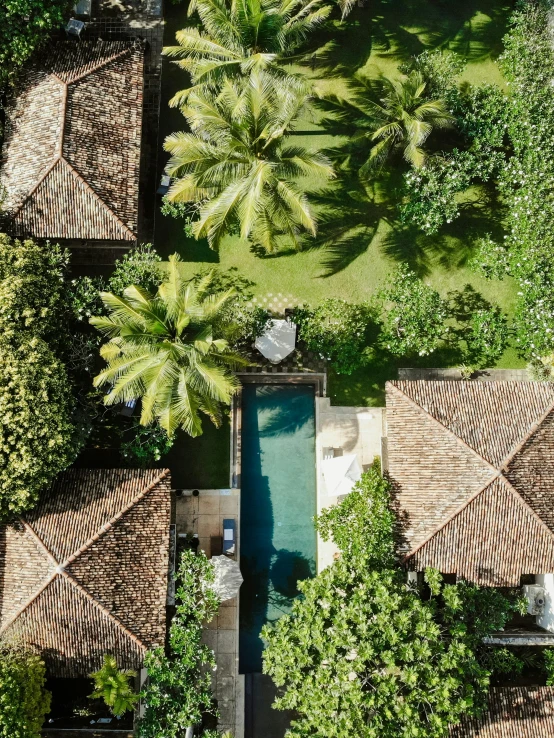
{"x":403,"y":119}
{"x":112,"y":685}
{"x":240,"y":36}
{"x":238,"y":162}
{"x":169,"y":351}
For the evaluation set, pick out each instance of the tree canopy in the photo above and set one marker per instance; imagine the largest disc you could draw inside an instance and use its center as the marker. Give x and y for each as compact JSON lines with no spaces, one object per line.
{"x":170,"y":351}
{"x":363,"y":654}
{"x":24,"y":700}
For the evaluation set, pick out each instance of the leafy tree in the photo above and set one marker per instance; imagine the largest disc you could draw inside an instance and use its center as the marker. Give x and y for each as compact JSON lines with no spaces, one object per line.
{"x":24,"y":700}
{"x":166,"y":351}
{"x":37,"y":436}
{"x":24,"y":25}
{"x":31,"y":288}
{"x":111,"y":684}
{"x":237,"y":39}
{"x":337,"y":330}
{"x":362,"y":654}
{"x":413,"y":315}
{"x":403,"y":119}
{"x":236,"y":161}
{"x":177,"y":691}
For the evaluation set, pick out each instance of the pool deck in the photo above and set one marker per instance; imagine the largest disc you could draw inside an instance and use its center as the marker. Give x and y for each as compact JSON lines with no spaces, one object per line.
{"x":354,"y":430}
{"x":204,"y":515}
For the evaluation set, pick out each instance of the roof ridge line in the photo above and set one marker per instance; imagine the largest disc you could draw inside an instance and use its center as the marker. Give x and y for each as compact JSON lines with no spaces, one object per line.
{"x":29,"y":529}
{"x":30,"y":601}
{"x":534,"y":428}
{"x":38,"y":183}
{"x":524,"y":502}
{"x":79,"y":587}
{"x":114,"y":519}
{"x":99,"y":65}
{"x":102,"y":202}
{"x":451,"y":517}
{"x":461,"y":441}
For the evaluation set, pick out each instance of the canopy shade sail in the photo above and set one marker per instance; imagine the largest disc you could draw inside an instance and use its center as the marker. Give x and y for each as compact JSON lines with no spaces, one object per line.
{"x":278,"y":341}
{"x":340,"y":474}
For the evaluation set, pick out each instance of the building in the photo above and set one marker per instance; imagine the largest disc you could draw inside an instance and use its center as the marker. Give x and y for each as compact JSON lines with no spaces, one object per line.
{"x":85,"y":573}
{"x":71,"y":156}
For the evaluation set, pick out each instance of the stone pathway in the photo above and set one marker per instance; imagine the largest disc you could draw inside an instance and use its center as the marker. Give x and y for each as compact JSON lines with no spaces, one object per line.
{"x":204,"y":515}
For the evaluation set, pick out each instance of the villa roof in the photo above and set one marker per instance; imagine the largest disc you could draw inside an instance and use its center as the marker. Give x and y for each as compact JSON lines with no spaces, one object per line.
{"x":472,"y":468}
{"x":71,"y":153}
{"x":85,"y":573}
{"x":514,"y":712}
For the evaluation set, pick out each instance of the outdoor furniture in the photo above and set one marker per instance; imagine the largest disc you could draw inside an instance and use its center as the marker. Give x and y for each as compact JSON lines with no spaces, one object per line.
{"x":83,"y":7}
{"x":164,"y":185}
{"x":278,"y":341}
{"x":229,"y":536}
{"x":74,"y":28}
{"x":128,"y":408}
{"x":340,"y":474}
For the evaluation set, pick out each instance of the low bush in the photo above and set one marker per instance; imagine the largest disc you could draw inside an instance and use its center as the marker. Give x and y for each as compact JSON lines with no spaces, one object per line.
{"x":24,"y":699}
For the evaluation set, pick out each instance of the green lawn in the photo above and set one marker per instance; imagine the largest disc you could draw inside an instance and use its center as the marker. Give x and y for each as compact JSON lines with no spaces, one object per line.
{"x":360,"y":238}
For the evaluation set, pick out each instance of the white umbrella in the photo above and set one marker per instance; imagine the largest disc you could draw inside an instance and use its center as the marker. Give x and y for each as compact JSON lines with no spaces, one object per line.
{"x":340,"y":474}
{"x":278,"y":341}
{"x":227,"y":577}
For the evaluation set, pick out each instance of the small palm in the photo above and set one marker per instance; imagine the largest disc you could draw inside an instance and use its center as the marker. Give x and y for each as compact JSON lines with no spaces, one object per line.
{"x":238,"y":162}
{"x":112,"y":685}
{"x":404,"y":118}
{"x":169,"y":351}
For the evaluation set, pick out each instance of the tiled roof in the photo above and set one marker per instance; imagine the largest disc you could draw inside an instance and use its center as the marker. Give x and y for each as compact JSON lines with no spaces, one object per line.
{"x":86,"y":572}
{"x":472,"y":467}
{"x":71,"y":154}
{"x":514,"y":712}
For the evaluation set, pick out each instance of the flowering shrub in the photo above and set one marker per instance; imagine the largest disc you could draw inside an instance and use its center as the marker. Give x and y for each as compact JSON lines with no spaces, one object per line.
{"x":487,"y":336}
{"x":490,"y":260}
{"x":413,"y":315}
{"x":147,"y":445}
{"x":141,"y":267}
{"x":337,"y":330}
{"x":36,"y":433}
{"x":24,"y":700}
{"x":439,"y":69}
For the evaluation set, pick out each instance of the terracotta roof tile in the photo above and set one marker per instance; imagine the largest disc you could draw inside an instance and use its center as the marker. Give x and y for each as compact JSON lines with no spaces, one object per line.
{"x":473,"y":476}
{"x":83,"y":103}
{"x":94,"y":556}
{"x":514,"y":712}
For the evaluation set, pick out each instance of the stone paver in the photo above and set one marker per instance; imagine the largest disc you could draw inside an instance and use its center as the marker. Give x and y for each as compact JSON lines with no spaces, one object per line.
{"x":204,"y":516}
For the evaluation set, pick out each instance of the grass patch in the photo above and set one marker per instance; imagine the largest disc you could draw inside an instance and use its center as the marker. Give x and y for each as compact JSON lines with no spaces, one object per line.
{"x":360,"y":237}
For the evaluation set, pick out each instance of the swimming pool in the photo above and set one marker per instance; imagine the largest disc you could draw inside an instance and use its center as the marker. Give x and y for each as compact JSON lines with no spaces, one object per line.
{"x":278,"y":503}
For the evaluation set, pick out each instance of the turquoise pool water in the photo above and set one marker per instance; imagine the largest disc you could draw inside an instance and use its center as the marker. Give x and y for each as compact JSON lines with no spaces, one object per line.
{"x":278,"y":503}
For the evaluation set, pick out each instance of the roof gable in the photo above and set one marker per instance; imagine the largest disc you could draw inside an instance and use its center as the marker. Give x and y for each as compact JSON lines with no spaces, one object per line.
{"x":490,"y":520}
{"x":72,"y":146}
{"x":96,"y":549}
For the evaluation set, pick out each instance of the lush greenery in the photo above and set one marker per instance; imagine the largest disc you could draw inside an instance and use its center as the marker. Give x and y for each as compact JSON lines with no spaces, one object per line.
{"x":337,"y":330}
{"x":364,"y":654}
{"x":39,"y":436}
{"x":168,"y":350}
{"x":24,"y":25}
{"x":24,"y":700}
{"x":177,"y":692}
{"x":112,"y":685}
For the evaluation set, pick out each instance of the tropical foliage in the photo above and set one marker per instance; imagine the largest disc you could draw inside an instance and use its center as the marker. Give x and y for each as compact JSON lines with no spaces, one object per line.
{"x":413,"y":315}
{"x":24,"y":700}
{"x":169,"y":351}
{"x":337,"y":330}
{"x":239,"y":38}
{"x":177,"y":691}
{"x":403,"y":119}
{"x":238,"y":162}
{"x":363,"y":654}
{"x":112,"y":685}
